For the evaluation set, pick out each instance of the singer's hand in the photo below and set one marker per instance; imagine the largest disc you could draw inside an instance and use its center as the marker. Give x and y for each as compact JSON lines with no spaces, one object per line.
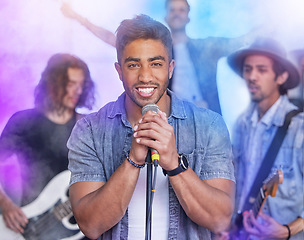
{"x":138,"y":152}
{"x":154,"y":131}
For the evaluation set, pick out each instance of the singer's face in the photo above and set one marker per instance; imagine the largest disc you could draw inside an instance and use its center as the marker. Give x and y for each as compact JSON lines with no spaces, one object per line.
{"x":145,"y":71}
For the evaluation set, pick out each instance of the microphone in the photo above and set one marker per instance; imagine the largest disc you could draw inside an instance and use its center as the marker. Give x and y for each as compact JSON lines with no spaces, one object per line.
{"x":154,"y":108}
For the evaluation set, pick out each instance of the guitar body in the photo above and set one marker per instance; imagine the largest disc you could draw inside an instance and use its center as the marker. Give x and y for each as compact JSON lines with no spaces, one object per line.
{"x":50,"y":215}
{"x":238,"y":232}
{"x":269,"y":188}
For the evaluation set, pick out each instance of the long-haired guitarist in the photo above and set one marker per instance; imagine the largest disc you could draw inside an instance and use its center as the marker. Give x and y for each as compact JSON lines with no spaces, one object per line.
{"x":269,"y":75}
{"x":38,"y":136}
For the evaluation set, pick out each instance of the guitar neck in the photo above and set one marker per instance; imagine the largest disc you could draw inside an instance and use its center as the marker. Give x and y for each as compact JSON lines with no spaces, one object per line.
{"x":261,"y":198}
{"x":62,"y":210}
{"x":269,"y":187}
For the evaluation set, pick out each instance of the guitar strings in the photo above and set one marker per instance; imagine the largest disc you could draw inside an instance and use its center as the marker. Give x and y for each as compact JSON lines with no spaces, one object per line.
{"x":45,"y":220}
{"x":42,"y":224}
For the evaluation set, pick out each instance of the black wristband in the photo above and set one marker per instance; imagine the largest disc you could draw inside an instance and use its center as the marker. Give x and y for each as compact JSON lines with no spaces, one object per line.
{"x":285,"y":225}
{"x":183,"y":166}
{"x":135,"y":164}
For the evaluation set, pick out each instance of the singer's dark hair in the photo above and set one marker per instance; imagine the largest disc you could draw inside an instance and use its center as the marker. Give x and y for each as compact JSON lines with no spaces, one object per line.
{"x":142,"y":27}
{"x":51,"y":88}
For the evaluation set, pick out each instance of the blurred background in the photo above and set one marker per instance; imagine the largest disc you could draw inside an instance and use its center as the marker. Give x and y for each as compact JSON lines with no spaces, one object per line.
{"x":33,"y":30}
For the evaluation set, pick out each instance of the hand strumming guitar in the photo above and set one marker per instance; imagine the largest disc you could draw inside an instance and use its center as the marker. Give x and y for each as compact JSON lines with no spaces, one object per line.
{"x":13,"y":216}
{"x":266,"y":227}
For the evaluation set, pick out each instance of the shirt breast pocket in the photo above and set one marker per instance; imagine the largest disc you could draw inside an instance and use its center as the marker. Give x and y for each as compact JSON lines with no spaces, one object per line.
{"x":285,"y":162}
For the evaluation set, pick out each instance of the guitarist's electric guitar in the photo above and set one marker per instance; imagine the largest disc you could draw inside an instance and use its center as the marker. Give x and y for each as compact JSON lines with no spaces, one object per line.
{"x":50,"y":215}
{"x":269,"y":188}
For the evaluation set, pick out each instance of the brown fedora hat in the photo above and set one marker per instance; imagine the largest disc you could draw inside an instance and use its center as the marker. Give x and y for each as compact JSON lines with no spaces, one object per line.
{"x":298,"y":54}
{"x":271,"y":49}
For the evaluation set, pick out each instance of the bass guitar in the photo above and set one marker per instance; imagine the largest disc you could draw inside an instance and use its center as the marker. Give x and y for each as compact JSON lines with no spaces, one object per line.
{"x":50,"y":215}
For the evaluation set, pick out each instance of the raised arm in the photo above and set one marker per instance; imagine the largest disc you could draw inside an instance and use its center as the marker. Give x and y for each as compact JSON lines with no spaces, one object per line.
{"x":100,"y":32}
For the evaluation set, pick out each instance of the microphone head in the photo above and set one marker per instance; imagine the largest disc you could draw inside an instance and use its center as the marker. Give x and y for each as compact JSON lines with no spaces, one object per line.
{"x":150,"y":107}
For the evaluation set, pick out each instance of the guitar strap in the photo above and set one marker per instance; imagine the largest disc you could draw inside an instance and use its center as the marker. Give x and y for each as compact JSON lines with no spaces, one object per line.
{"x":269,"y":160}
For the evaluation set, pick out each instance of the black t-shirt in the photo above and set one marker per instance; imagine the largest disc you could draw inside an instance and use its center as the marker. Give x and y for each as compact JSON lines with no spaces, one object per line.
{"x":40,"y":147}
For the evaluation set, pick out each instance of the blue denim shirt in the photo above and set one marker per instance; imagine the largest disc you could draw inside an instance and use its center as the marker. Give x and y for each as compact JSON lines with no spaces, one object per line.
{"x":100,"y":141}
{"x":287,"y":205}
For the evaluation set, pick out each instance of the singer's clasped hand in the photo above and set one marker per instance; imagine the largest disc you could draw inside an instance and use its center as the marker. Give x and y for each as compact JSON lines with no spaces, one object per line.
{"x":153,"y":131}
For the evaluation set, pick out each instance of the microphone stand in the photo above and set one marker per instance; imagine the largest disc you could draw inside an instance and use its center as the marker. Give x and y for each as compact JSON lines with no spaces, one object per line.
{"x":148,"y":196}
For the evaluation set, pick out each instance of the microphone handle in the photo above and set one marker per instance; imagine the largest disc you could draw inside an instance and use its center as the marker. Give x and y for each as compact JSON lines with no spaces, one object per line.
{"x":154,"y":156}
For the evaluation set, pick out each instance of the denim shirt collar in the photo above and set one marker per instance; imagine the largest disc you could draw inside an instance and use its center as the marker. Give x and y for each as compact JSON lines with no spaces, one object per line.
{"x":269,"y":117}
{"x":177,"y":108}
{"x":281,"y":107}
{"x":284,"y":107}
{"x":118,"y":108}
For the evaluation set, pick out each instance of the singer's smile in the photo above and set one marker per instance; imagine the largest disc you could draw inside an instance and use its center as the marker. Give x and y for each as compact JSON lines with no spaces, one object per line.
{"x":146,"y":92}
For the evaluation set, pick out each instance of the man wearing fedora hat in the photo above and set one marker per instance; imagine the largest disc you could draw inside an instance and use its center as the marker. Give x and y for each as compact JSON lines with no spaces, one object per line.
{"x":269,"y":74}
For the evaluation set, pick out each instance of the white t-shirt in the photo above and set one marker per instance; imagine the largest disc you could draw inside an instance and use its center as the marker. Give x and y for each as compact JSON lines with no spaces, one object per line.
{"x":160,"y":208}
{"x":185,"y":83}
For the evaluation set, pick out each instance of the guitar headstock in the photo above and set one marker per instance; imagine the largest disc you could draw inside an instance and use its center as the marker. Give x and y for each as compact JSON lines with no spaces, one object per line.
{"x":271,"y":184}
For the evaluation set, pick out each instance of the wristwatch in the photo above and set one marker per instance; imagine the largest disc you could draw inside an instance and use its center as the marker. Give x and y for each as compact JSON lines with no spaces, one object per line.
{"x":183,"y":166}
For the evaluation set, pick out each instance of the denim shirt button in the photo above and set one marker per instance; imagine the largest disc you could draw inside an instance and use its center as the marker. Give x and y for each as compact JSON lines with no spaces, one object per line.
{"x":173,"y":211}
{"x":292,"y":191}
